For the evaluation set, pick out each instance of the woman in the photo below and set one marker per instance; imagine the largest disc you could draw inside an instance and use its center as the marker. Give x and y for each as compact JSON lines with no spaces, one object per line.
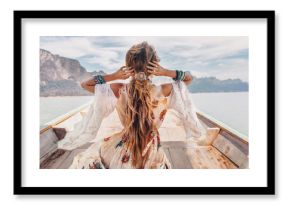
{"x":141,"y":107}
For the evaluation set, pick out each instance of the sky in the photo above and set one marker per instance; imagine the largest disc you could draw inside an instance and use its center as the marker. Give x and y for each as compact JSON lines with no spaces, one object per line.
{"x":223,"y":57}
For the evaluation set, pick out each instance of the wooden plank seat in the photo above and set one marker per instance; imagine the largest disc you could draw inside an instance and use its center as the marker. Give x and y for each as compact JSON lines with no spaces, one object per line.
{"x":181,"y":154}
{"x":186,"y":155}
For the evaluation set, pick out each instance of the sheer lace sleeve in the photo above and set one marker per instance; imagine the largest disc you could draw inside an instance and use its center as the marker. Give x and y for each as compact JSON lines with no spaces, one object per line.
{"x":182,"y":103}
{"x":86,"y":130}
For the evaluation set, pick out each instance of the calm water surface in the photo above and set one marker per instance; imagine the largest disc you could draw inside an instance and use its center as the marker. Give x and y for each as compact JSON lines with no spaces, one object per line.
{"x":229,"y":108}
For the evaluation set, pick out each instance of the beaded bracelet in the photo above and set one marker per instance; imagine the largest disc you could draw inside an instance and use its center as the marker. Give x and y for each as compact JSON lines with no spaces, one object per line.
{"x":99,"y":79}
{"x":183,"y":76}
{"x":177,"y":75}
{"x":180,"y":75}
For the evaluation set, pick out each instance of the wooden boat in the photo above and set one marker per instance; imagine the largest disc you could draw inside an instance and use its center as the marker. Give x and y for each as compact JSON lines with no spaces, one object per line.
{"x":229,"y":150}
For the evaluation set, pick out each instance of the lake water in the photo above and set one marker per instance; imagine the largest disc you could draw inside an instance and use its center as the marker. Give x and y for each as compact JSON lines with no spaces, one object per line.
{"x":53,"y":107}
{"x":229,"y":108}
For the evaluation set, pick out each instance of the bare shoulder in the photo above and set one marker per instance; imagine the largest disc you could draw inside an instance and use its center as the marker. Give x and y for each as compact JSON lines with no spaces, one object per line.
{"x":166,"y":89}
{"x":116,"y":87}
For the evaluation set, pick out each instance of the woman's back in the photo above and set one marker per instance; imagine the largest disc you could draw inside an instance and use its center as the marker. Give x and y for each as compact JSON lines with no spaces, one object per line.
{"x":113,"y":150}
{"x":159,"y":101}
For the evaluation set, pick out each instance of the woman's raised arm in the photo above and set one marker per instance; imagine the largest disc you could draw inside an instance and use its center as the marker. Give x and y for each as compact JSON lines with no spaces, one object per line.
{"x":120,"y":74}
{"x":158,"y":70}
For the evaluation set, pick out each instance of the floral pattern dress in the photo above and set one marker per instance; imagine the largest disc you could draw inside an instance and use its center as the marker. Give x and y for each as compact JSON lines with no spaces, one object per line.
{"x":111,"y":153}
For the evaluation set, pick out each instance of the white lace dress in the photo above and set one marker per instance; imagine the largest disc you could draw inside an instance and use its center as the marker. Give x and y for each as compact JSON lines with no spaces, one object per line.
{"x":110,"y":152}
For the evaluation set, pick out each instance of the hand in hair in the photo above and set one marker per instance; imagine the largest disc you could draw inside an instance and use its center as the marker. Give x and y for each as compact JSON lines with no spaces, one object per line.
{"x":123,"y":73}
{"x":156,"y":69}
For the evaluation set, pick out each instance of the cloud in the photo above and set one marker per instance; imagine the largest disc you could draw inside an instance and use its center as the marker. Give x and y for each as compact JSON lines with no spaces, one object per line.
{"x":71,"y":47}
{"x":219,"y":56}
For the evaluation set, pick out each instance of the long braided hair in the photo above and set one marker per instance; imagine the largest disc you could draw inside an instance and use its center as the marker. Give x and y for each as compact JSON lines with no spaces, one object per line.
{"x":139,"y":118}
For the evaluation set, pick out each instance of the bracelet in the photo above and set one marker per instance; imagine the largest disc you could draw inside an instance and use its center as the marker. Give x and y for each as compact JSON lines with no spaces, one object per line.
{"x":183,"y":76}
{"x":99,"y":79}
{"x":180,"y":75}
{"x":177,"y":75}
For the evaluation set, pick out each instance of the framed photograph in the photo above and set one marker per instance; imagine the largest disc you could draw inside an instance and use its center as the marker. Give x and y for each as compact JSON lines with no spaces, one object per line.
{"x":158,"y":102}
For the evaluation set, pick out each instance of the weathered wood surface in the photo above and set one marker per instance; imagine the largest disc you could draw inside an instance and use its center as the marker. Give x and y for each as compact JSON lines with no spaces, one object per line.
{"x":226,"y":152}
{"x":231,"y":151}
{"x":185,"y":155}
{"x":181,"y":155}
{"x":62,"y":159}
{"x":229,"y":144}
{"x":48,"y":144}
{"x":237,"y":141}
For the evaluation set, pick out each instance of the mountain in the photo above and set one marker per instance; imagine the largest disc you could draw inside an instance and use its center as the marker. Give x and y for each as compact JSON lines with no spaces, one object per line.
{"x":55,"y":68}
{"x":212,"y":84}
{"x":97,"y":73}
{"x":61,"y":76}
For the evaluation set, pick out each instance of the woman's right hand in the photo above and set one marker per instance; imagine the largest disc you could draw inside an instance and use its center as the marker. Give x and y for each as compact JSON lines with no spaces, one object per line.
{"x":123,"y":73}
{"x":155,"y":69}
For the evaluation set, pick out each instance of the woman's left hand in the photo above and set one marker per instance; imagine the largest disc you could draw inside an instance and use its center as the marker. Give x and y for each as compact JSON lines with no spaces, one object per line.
{"x":156,"y":69}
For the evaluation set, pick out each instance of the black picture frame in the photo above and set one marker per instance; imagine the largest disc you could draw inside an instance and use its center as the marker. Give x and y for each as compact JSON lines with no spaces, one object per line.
{"x":268,"y":190}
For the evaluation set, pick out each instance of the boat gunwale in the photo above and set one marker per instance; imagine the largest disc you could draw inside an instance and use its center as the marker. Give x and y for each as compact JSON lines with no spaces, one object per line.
{"x":64,"y":117}
{"x":216,"y":123}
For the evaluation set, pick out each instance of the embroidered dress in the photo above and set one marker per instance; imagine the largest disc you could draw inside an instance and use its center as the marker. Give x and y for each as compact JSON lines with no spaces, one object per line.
{"x":110,"y":152}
